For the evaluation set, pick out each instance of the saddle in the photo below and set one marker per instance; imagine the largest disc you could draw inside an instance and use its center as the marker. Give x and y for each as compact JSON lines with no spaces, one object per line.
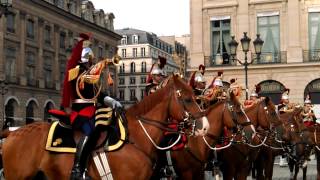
{"x":61,"y":136}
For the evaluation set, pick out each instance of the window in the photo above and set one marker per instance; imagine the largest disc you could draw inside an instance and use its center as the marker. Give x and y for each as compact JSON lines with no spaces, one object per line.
{"x":268,"y":28}
{"x":122,"y":68}
{"x":47,"y":35}
{"x":30,"y":29}
{"x":29,"y":112}
{"x":132,"y":67}
{"x":124,"y":53}
{"x":47,"y":116}
{"x":59,"y":3}
{"x":143,"y":52}
{"x":220,"y":38}
{"x":30,"y":68}
{"x":121,"y":94}
{"x":62,"y":40}
{"x":143,"y":79}
{"x":314,"y":31}
{"x":135,"y":39}
{"x":9,"y":112}
{"x":121,"y":81}
{"x":143,"y":67}
{"x":100,"y":52}
{"x":11,"y":22}
{"x":72,"y":7}
{"x":142,"y":93}
{"x":134,"y":52}
{"x":124,"y":40}
{"x":132,"y":95}
{"x":47,"y":71}
{"x":62,"y":67}
{"x":10,"y":62}
{"x":132,"y":80}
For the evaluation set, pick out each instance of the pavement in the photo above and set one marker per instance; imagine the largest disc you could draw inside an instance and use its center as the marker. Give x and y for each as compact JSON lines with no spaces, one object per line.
{"x":283,"y":173}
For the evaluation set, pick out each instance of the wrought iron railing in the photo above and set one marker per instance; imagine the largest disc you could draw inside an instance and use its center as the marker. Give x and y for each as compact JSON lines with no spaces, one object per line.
{"x":219,"y":60}
{"x":311,"y":55}
{"x":270,"y":57}
{"x":133,"y":55}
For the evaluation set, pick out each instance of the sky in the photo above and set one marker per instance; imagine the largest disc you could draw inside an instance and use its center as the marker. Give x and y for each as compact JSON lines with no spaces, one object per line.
{"x":162,"y":17}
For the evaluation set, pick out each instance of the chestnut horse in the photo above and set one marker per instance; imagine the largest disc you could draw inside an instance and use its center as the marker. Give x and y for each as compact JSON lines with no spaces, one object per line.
{"x":315,"y":134}
{"x":237,"y":159}
{"x":24,"y":153}
{"x":294,"y":137}
{"x":189,"y":163}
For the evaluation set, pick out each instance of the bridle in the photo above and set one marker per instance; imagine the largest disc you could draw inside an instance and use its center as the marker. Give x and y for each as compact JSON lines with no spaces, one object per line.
{"x":188,"y":120}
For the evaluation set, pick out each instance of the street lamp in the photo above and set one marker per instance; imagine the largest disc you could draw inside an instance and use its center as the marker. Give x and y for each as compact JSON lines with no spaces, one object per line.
{"x":4,"y":7}
{"x":3,"y":91}
{"x":245,"y":43}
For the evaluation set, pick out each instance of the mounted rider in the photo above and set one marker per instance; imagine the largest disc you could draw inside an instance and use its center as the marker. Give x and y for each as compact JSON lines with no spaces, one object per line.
{"x":156,"y":76}
{"x":235,"y":88}
{"x":285,"y":105}
{"x":309,"y":117}
{"x":79,"y":97}
{"x":215,"y":91}
{"x":254,"y":97}
{"x":198,"y":83}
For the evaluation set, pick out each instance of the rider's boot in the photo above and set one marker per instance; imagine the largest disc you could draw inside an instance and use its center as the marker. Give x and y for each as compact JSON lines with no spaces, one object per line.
{"x":79,"y":169}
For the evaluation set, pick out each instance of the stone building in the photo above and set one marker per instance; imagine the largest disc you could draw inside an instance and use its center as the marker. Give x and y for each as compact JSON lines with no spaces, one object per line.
{"x":139,"y":50}
{"x":291,"y":52}
{"x":36,"y":38}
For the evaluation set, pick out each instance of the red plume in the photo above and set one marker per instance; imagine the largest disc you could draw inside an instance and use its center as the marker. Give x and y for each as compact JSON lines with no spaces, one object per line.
{"x":232,"y":80}
{"x":162,"y":62}
{"x":202,"y":67}
{"x":258,"y":88}
{"x":67,"y":89}
{"x":191,"y":81}
{"x":220,"y":73}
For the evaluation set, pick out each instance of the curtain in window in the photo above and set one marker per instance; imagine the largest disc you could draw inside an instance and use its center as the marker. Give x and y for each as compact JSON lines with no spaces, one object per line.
{"x":317,"y":39}
{"x":215,"y":43}
{"x":226,"y":39}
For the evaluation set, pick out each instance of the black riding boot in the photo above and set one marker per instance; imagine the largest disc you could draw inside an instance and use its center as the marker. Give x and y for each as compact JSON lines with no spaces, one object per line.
{"x":79,"y":169}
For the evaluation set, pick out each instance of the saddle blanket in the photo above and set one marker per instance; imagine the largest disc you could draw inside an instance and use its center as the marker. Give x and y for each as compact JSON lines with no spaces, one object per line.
{"x":60,"y":138}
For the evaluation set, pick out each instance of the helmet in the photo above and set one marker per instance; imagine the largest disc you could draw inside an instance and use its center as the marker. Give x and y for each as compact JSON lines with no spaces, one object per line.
{"x":285,"y":95}
{"x":255,"y":91}
{"x":199,"y":78}
{"x":156,"y":70}
{"x":233,"y":83}
{"x":307,"y":100}
{"x":218,"y":82}
{"x":86,"y":54}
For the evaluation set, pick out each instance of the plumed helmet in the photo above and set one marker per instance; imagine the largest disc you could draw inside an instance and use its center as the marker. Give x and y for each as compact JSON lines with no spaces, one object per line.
{"x":199,"y":78}
{"x":218,"y":82}
{"x":86,"y":54}
{"x":256,"y":91}
{"x":307,"y":100}
{"x":285,"y":94}
{"x":202,"y":69}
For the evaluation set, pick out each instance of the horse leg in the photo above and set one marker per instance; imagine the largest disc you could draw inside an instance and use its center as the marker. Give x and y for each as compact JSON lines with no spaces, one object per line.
{"x":291,"y":167}
{"x":318,"y":163}
{"x":269,"y":168}
{"x":304,"y":170}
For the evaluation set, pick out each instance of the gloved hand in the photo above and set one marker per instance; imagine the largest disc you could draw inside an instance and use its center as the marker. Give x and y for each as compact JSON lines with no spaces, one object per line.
{"x":114,"y":104}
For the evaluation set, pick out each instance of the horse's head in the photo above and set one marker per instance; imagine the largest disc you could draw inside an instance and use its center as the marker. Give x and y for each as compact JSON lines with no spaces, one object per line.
{"x":183,"y":106}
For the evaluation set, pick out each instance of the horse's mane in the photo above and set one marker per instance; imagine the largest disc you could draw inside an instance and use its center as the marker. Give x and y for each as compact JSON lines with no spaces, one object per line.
{"x":254,"y":106}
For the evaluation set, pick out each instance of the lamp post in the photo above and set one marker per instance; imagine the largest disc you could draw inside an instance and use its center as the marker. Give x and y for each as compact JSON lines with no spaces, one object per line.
{"x":245,"y":43}
{"x":4,"y":7}
{"x":3,"y":91}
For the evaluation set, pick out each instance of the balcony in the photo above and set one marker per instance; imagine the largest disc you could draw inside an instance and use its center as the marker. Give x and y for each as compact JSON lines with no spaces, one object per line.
{"x":279,"y":57}
{"x":311,"y":55}
{"x":134,"y":56}
{"x":219,"y":60}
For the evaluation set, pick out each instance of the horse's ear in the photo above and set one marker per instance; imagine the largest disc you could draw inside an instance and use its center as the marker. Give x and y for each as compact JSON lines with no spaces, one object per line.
{"x":267,"y":100}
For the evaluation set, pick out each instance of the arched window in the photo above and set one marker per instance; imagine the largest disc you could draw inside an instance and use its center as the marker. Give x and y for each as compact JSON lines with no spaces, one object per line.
{"x":135,"y":39}
{"x":272,"y":89}
{"x":143,"y":67}
{"x":47,"y":116}
{"x":10,"y":63}
{"x":313,"y":90}
{"x":30,"y":112}
{"x":9,"y":113}
{"x":124,"y":40}
{"x":132,"y":67}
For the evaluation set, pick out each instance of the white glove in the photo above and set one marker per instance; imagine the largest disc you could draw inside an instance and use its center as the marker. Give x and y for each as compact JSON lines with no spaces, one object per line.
{"x":109,"y":101}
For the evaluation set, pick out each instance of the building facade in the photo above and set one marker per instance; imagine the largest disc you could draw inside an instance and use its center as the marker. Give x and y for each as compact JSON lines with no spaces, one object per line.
{"x":179,"y":53}
{"x":291,"y":52}
{"x":139,"y":50}
{"x":36,"y":39}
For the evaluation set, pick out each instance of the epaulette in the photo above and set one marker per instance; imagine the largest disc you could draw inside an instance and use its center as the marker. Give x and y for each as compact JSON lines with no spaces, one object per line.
{"x":73,"y":73}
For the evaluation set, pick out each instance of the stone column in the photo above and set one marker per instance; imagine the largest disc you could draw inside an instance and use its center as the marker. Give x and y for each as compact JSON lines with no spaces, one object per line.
{"x":56,"y":46}
{"x":3,"y":30}
{"x":196,"y":29}
{"x":294,"y":45}
{"x":22,"y":55}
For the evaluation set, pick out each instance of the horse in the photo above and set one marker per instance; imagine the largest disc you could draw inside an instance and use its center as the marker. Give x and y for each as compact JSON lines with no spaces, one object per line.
{"x":294,"y":138}
{"x":236,"y":160}
{"x":24,"y":153}
{"x":189,"y":163}
{"x":315,"y":131}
